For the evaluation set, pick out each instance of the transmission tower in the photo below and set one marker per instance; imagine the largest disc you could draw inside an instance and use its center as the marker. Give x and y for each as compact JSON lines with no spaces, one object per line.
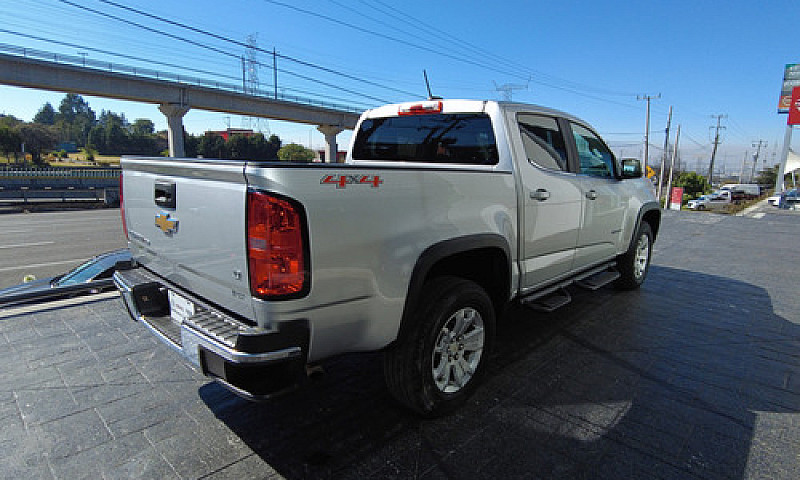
{"x":508,"y":88}
{"x":252,"y":85}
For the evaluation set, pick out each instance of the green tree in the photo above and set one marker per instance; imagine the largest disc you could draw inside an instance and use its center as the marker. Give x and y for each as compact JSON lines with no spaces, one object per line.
{"x":212,"y":146}
{"x":274,"y":144}
{"x":9,"y":141}
{"x":9,"y":121}
{"x":74,"y":119}
{"x":239,"y":147}
{"x":46,"y":115}
{"x":90,"y":153}
{"x":37,"y":139}
{"x":142,"y":127}
{"x":768,"y":176}
{"x":74,"y":106}
{"x":97,"y":138}
{"x":693,"y":183}
{"x":295,"y":153}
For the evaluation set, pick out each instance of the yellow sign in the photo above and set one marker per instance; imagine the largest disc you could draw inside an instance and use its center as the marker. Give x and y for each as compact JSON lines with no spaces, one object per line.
{"x":650,"y":172}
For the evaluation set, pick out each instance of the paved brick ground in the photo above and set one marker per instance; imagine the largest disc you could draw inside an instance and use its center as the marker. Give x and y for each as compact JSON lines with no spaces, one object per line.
{"x":697,"y":375}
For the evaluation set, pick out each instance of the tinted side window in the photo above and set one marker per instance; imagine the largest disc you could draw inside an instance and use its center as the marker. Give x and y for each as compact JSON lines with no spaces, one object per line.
{"x":543,"y":141}
{"x":465,"y":138}
{"x":595,"y":158}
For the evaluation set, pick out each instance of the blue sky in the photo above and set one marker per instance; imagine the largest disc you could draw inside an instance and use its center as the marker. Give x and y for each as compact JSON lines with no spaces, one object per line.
{"x":591,"y":59}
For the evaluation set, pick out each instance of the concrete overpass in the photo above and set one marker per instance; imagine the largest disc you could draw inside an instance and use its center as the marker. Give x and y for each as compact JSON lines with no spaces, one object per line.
{"x":174,"y":98}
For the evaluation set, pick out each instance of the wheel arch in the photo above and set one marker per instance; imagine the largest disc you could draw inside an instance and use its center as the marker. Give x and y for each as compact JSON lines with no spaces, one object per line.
{"x":650,"y":213}
{"x":484,"y":259}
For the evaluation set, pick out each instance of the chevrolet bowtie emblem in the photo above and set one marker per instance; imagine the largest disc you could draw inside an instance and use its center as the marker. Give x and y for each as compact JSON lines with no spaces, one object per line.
{"x":166,"y":224}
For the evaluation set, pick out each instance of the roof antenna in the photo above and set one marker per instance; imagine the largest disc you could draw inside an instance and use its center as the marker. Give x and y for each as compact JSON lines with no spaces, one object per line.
{"x":430,"y":95}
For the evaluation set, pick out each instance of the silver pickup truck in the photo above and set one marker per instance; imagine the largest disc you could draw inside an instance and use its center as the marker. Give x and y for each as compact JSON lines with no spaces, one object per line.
{"x":443,"y":213}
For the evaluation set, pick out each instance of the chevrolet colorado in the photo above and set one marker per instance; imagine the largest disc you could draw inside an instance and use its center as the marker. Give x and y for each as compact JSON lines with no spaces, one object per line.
{"x":443,"y":213}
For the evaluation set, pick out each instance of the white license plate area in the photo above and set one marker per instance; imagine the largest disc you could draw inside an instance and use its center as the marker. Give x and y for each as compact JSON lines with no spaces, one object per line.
{"x":179,"y":308}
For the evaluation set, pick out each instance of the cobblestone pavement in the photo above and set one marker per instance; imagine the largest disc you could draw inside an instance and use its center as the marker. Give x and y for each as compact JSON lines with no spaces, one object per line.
{"x":696,"y":375}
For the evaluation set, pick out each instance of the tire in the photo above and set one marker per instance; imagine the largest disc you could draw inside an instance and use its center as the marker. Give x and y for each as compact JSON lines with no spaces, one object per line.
{"x":701,"y":207}
{"x":634,"y":264}
{"x":433,"y":368}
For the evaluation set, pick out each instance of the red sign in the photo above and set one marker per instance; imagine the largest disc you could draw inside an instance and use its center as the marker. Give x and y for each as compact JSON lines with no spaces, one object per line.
{"x":676,"y":198}
{"x":794,"y":108}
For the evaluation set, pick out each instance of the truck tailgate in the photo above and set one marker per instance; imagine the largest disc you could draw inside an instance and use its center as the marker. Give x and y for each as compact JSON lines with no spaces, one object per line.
{"x":185,"y":221}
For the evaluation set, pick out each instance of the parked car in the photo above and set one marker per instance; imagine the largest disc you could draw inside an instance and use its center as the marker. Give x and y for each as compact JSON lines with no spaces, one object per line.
{"x":774,"y":200}
{"x":789,"y":199}
{"x":710,"y":201}
{"x":92,"y":276}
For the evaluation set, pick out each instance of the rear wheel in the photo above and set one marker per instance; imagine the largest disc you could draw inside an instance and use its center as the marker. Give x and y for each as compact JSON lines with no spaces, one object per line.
{"x":442,"y":355}
{"x":634,"y":264}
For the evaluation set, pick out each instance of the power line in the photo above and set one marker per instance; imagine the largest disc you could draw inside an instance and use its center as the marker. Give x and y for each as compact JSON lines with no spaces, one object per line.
{"x":120,"y":55}
{"x":245,"y":45}
{"x":211,"y":48}
{"x":438,"y":52}
{"x":436,"y":31}
{"x":304,"y":63}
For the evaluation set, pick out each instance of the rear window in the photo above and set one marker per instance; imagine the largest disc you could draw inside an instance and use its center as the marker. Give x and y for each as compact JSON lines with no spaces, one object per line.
{"x":465,"y":138}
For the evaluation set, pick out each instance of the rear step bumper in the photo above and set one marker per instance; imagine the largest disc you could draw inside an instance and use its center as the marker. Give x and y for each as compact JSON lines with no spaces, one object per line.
{"x":252,"y":362}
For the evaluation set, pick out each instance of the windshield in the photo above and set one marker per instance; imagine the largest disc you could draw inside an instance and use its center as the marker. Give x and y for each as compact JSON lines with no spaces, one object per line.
{"x":94,"y":269}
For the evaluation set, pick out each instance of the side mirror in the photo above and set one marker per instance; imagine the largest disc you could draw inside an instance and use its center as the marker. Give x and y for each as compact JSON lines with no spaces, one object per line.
{"x":631,"y":168}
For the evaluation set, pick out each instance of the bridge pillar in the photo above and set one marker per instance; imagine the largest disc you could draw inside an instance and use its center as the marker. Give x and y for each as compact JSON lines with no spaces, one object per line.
{"x":174,"y":114}
{"x":331,"y":149}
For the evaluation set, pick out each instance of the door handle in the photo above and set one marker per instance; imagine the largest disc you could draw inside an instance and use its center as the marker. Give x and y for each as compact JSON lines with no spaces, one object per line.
{"x":540,"y":194}
{"x":591,"y":195}
{"x":164,"y":194}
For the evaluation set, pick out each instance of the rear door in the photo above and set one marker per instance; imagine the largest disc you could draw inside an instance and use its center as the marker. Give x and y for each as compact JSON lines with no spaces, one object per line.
{"x":550,"y":199}
{"x":186,"y":223}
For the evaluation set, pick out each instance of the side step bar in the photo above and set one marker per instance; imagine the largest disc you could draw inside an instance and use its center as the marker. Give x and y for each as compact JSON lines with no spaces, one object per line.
{"x":598,"y":280}
{"x":549,"y":302}
{"x":556,"y":296}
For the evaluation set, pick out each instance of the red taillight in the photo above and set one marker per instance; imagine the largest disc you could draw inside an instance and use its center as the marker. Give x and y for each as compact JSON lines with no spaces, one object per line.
{"x":422,"y":108}
{"x":275,"y":247}
{"x":122,"y":208}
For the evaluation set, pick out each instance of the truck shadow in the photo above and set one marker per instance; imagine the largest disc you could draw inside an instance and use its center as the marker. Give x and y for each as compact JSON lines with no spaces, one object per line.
{"x":673,"y":380}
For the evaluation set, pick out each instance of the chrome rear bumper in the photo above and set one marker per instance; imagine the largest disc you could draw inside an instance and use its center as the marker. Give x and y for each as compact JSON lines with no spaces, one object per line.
{"x":253,"y":362}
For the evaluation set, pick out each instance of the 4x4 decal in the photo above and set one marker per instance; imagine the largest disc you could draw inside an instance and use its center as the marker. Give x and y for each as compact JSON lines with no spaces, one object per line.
{"x":342,"y":181}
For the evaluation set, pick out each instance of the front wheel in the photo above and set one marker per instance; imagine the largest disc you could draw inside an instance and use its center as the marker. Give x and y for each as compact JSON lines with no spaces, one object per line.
{"x":442,"y":355}
{"x":634,"y":264}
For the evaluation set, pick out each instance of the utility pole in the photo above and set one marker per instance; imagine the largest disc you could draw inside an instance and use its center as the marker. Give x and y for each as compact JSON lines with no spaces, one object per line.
{"x":664,"y":157}
{"x":671,"y":169}
{"x":741,"y":171}
{"x":755,"y":158}
{"x":716,"y":144}
{"x":647,"y":126}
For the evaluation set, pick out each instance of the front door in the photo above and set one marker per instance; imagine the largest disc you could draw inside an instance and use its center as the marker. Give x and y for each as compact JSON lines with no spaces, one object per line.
{"x":604,"y":199}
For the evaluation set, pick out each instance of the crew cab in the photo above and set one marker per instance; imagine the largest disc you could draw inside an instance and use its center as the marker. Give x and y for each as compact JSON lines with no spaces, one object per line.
{"x":443,"y":213}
